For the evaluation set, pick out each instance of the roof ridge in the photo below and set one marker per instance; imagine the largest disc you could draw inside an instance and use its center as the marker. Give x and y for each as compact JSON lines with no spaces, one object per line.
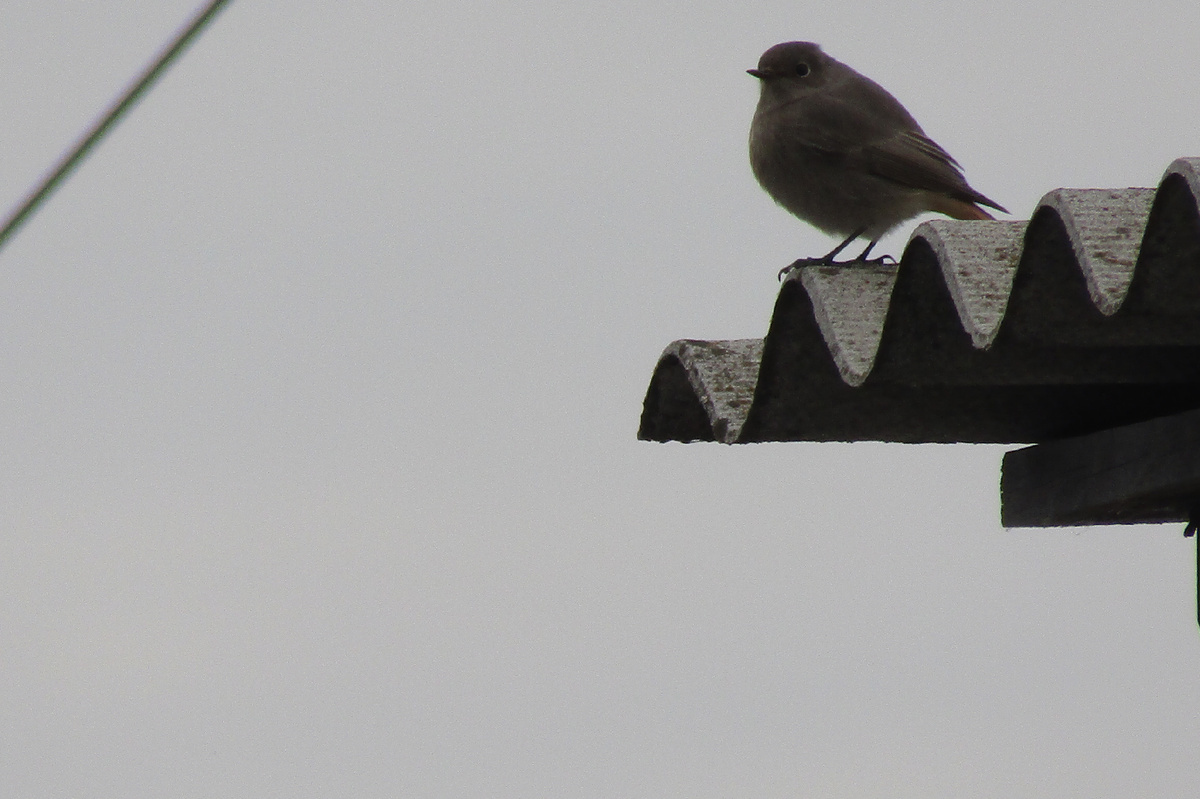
{"x":1087,"y":314}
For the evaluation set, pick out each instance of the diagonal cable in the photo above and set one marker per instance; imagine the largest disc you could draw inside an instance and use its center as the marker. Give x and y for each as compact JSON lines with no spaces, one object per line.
{"x":89,"y":139}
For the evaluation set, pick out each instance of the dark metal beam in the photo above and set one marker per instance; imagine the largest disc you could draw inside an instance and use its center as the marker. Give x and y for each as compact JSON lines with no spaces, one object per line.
{"x":1142,"y":473}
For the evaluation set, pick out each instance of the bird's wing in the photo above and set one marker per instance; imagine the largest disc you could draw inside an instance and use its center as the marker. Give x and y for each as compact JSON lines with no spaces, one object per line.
{"x":839,"y":126}
{"x":890,"y":145}
{"x":913,"y":159}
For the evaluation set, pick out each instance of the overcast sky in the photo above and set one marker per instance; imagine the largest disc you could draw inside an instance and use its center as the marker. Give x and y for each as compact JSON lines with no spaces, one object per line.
{"x":318,"y":460}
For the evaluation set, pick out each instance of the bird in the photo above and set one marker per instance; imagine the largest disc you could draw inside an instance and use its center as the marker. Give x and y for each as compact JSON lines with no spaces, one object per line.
{"x":838,"y":151}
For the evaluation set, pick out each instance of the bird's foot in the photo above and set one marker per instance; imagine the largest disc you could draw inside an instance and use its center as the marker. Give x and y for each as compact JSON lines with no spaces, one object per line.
{"x":802,"y":262}
{"x":883,"y":260}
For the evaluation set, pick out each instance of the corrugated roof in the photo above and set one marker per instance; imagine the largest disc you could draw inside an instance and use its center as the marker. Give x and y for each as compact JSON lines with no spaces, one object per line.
{"x":1084,"y":318}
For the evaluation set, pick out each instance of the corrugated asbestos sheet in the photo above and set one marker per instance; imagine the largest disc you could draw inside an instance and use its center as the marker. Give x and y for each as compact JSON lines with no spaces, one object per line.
{"x":1083,"y":319}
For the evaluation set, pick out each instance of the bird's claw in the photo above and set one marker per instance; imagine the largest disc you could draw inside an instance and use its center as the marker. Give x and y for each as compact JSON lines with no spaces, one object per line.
{"x":802,"y":262}
{"x":883,"y":260}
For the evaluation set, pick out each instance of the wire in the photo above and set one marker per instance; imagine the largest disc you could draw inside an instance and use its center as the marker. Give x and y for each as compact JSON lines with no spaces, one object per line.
{"x":89,"y":139}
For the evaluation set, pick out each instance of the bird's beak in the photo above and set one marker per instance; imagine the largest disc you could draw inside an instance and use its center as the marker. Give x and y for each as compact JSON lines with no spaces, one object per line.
{"x":759,"y":73}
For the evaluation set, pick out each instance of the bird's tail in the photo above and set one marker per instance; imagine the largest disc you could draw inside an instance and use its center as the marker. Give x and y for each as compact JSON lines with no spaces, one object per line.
{"x":960,"y":209}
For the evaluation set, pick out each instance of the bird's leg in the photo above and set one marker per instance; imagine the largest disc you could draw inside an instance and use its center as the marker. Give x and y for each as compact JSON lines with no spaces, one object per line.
{"x":881,"y":260}
{"x":827,"y":259}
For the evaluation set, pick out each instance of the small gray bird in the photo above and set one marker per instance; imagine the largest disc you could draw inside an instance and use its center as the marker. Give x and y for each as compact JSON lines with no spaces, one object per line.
{"x":835,"y":149}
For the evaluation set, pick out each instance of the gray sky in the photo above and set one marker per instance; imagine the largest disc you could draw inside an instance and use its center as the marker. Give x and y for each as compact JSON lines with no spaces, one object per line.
{"x":318,"y":470}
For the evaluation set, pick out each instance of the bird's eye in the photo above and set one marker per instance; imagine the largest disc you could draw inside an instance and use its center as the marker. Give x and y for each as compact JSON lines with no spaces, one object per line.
{"x":802,"y":69}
